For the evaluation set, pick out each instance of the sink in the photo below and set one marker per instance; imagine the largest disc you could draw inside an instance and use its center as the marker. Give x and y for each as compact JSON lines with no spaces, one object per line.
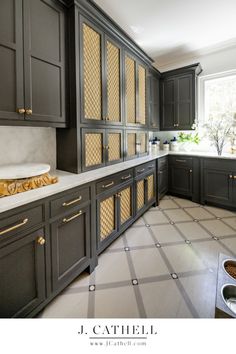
{"x":228,"y":293}
{"x":229,"y":267}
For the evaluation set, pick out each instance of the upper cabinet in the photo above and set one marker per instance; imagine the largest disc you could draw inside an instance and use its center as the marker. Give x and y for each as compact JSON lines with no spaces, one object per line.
{"x":154,"y":99}
{"x":135,"y":92}
{"x":179,"y":98}
{"x":101,"y":77}
{"x":32,"y":63}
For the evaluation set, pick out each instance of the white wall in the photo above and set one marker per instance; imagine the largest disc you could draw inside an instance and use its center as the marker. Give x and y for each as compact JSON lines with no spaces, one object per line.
{"x":27,"y":144}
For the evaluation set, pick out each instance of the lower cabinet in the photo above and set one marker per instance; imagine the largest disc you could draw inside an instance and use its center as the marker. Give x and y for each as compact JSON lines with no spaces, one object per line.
{"x":181,"y":175}
{"x":70,"y":246}
{"x":145,"y":192}
{"x":22,"y":275}
{"x":162,"y":177}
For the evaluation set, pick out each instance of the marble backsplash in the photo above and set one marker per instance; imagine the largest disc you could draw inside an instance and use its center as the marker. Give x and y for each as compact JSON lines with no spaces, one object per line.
{"x":27,"y":144}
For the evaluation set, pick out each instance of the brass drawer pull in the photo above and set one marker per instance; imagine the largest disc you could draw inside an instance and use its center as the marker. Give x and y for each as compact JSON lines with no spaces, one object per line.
{"x":41,"y":241}
{"x":65,"y":220}
{"x":180,"y":160}
{"x":14,"y":227}
{"x":151,"y":166}
{"x":142,"y":170}
{"x":21,"y":110}
{"x":125,"y":177}
{"x":107,"y":185}
{"x":65,"y":204}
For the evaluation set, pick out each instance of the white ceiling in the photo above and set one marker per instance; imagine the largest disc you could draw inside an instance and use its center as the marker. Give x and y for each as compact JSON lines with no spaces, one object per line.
{"x":171,"y":30}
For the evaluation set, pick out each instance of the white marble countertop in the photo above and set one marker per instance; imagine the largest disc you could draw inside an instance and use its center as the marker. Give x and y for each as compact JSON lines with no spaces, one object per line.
{"x":71,"y":180}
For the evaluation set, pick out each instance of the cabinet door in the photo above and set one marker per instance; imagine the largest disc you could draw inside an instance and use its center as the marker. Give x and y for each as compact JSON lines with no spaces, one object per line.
{"x":93,"y":148}
{"x":140,"y":195}
{"x":150,"y":195}
{"x":181,"y":180}
{"x":22,"y":275}
{"x":44,"y":61}
{"x":70,"y":246}
{"x":125,"y":205}
{"x":92,"y":72}
{"x":184,"y":102}
{"x":113,"y":82}
{"x":114,"y":146}
{"x":162,"y":182}
{"x":168,"y":104}
{"x":11,"y":60}
{"x":107,"y":217}
{"x":130,"y":90}
{"x":218,"y":186}
{"x":154,"y":109}
{"x":143,"y":143}
{"x":141,"y":109}
{"x":131,"y":144}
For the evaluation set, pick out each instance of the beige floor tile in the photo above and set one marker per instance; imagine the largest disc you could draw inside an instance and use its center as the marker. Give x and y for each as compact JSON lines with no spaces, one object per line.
{"x":116,"y":303}
{"x":168,"y":204}
{"x":166,"y":197}
{"x":177,"y":215}
{"x":155,"y":217}
{"x":230,"y":243}
{"x":112,"y":267}
{"x":199,"y":213}
{"x":67,"y":306}
{"x":209,"y":250}
{"x":218,"y":212}
{"x":182,"y":258}
{"x":217,"y":228}
{"x":184,"y":203}
{"x":192,"y":230}
{"x":118,"y":243}
{"x":139,"y":222}
{"x":163,"y":300}
{"x":231,"y":222}
{"x":81,"y":281}
{"x":166,"y":233}
{"x":148,"y":263}
{"x":138,"y":237}
{"x":201,"y":289}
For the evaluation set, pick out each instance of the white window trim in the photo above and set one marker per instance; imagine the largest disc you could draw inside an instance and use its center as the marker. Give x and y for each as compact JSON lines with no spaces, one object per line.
{"x":201,"y":90}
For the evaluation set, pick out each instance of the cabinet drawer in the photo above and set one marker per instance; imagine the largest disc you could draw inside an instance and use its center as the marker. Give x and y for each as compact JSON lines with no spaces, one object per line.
{"x":15,"y":224}
{"x":219,"y":164}
{"x":69,"y":201}
{"x":141,"y":169}
{"x":162,"y":163}
{"x":181,"y":161}
{"x":114,"y":180}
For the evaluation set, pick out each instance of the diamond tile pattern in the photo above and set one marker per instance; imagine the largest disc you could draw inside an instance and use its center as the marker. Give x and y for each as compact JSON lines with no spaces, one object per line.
{"x":135,"y":278}
{"x":93,"y":149}
{"x":130,"y":90}
{"x":92,"y":73}
{"x":113,"y":82}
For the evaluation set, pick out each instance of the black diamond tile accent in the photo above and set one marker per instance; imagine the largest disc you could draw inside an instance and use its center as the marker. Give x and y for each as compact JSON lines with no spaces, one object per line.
{"x":92,"y":287}
{"x":127,"y":249}
{"x":147,"y":225}
{"x":158,"y":245}
{"x":174,"y":275}
{"x":172,"y":223}
{"x":195,"y":220}
{"x":135,"y":281}
{"x":215,"y":238}
{"x":188,"y":242}
{"x":218,"y":218}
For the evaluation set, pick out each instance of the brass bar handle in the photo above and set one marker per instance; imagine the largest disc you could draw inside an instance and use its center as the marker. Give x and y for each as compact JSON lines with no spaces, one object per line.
{"x":66,"y":204}
{"x":41,"y":241}
{"x":107,"y":185}
{"x":20,"y":110}
{"x":125,"y":177}
{"x":180,"y":160}
{"x":12,"y":228}
{"x":66,"y":220}
{"x":28,"y":111}
{"x":142,"y":170}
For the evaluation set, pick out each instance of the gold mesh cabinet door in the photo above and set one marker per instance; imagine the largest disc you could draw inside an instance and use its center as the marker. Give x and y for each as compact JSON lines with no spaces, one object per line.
{"x":113,"y":82}
{"x":92,"y":71}
{"x":142,"y":94}
{"x":131,"y":144}
{"x":125,"y":205}
{"x":114,"y":144}
{"x":140,"y":194}
{"x":93,"y":149}
{"x":107,"y":217}
{"x":150,"y":187}
{"x":143,"y":143}
{"x":130,"y":90}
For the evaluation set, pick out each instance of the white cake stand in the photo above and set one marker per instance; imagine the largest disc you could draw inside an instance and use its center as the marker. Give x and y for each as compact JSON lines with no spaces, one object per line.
{"x":23,"y":170}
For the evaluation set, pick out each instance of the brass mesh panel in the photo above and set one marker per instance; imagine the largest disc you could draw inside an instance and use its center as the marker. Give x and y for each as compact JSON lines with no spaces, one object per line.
{"x":107,"y":217}
{"x":150,"y":183}
{"x":125,"y":204}
{"x":114,"y":143}
{"x":131,"y":144}
{"x":140,"y":194}
{"x":92,"y":74}
{"x":143,"y":142}
{"x":93,"y":149}
{"x":130,"y":90}
{"x":113,"y":82}
{"x":142,"y":94}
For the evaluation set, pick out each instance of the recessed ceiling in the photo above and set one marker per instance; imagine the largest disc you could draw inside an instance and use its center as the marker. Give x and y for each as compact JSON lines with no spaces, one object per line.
{"x":170,"y":30}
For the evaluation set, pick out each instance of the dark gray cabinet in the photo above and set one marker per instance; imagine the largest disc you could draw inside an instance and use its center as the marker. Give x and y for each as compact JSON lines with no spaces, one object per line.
{"x":154,"y":99}
{"x":162,"y":177}
{"x":22,"y":275}
{"x":178,"y":98}
{"x":32,"y":63}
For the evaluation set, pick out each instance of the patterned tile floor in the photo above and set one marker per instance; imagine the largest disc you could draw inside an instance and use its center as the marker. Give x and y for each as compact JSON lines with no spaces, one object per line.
{"x":163,"y":266}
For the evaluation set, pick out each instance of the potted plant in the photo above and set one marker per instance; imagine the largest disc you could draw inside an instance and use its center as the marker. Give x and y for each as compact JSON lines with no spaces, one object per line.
{"x":186,"y":140}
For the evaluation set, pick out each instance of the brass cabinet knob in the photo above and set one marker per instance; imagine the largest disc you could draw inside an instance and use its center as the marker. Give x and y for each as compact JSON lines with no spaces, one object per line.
{"x":41,"y":241}
{"x":234,"y":177}
{"x":21,"y":110}
{"x":190,"y":171}
{"x":230,"y":176}
{"x":28,"y":111}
